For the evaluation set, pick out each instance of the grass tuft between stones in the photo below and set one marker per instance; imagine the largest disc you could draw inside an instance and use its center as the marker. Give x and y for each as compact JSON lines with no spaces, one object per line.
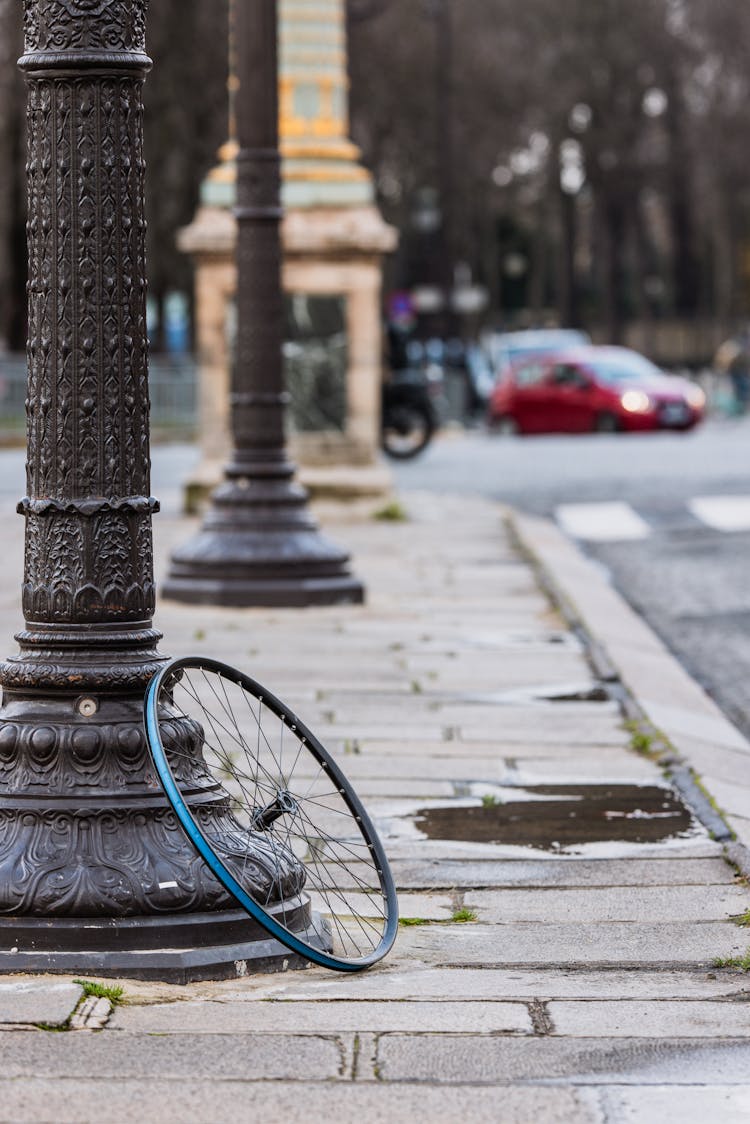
{"x":741,"y":962}
{"x":461,"y":916}
{"x":392,"y":512}
{"x":101,"y":991}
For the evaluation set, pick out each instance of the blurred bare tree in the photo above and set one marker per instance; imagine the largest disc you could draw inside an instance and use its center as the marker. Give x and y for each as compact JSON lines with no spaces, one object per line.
{"x":186,"y":121}
{"x":599,"y":148}
{"x":585,"y":160}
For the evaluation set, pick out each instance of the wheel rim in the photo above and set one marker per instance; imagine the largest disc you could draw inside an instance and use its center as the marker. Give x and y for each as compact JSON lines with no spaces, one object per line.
{"x":285,"y":797}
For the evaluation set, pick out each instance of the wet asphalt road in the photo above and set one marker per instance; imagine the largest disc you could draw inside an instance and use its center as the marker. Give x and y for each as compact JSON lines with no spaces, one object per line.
{"x":690,"y":580}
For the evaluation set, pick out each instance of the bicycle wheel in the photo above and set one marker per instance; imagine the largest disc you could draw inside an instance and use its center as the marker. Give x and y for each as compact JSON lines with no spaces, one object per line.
{"x":280,"y":791}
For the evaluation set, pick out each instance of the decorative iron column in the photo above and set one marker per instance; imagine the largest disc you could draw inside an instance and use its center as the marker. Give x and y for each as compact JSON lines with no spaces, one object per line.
{"x":95,"y":873}
{"x":259,"y":544}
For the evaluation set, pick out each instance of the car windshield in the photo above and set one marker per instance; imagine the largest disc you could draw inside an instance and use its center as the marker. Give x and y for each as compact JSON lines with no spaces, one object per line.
{"x":616,"y":370}
{"x":543,"y":344}
{"x":515,"y":353}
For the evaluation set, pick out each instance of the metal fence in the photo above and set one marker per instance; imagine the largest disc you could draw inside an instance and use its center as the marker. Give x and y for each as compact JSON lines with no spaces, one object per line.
{"x":173,"y":383}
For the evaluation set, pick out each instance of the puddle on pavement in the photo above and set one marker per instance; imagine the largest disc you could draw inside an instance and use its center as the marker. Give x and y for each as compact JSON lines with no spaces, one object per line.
{"x":551,"y":817}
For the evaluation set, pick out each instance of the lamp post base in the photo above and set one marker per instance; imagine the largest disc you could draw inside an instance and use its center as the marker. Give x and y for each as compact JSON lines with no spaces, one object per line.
{"x":259,"y":547}
{"x":176,"y":948}
{"x":96,"y":874}
{"x":199,"y":588}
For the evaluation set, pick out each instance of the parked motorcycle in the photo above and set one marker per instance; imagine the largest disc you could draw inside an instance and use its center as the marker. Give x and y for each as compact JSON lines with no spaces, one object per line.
{"x":410,"y":416}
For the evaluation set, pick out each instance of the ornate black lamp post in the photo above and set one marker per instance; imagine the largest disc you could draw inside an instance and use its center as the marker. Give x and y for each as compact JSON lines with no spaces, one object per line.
{"x":258,"y":544}
{"x":95,"y":874}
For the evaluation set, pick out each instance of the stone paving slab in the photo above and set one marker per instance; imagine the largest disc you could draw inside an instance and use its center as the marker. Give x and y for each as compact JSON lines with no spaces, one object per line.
{"x":482,"y":1059}
{"x":110,"y":1056}
{"x":404,"y":981}
{"x":618,"y":943}
{"x":643,"y":904}
{"x":732,"y":765}
{"x":463,"y":765}
{"x":426,"y":704}
{"x":36,"y":1001}
{"x":509,"y":667}
{"x":413,"y":768}
{"x":433,"y":873}
{"x":623,"y":1018}
{"x":558,"y":872}
{"x":433,"y":907}
{"x":400,"y":836}
{"x":437,"y":633}
{"x":421,"y":788}
{"x":79,"y":1101}
{"x":586,"y":768}
{"x":732,"y":797}
{"x":528,"y":725}
{"x":689,"y":1105}
{"x":384,"y":749}
{"x":506,"y":670}
{"x":740,"y":825}
{"x":268,"y":1017}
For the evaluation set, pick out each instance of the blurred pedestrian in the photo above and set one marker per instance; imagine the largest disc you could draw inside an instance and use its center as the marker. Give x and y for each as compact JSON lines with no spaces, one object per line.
{"x":733,"y":358}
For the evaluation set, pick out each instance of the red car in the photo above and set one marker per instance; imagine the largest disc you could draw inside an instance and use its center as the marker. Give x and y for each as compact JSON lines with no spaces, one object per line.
{"x":603,"y":389}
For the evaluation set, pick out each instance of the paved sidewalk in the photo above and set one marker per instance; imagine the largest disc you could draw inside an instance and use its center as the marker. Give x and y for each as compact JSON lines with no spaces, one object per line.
{"x":584,"y":990}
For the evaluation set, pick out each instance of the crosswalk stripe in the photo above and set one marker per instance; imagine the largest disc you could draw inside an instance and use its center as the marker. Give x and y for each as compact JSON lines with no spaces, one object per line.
{"x":722,"y":513}
{"x":602,"y":522}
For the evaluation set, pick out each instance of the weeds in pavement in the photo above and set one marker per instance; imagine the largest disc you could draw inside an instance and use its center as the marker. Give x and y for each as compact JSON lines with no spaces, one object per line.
{"x":489,"y":800}
{"x":392,"y":512}
{"x":742,"y":962}
{"x":101,"y":991}
{"x":743,"y":919}
{"x":640,"y":741}
{"x":459,"y":916}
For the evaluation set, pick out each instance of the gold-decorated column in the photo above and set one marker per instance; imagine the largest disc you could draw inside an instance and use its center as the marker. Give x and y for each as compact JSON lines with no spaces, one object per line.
{"x":321,"y":165}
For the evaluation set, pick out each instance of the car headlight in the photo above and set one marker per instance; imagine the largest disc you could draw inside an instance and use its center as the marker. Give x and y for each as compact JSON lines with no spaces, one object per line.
{"x":696,"y":398}
{"x":636,"y":402}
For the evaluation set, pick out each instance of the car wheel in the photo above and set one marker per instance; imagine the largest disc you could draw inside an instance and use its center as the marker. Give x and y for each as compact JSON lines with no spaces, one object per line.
{"x":606,"y":423}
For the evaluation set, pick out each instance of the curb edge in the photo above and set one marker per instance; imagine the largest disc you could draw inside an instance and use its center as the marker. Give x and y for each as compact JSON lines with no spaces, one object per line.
{"x":538,"y":548}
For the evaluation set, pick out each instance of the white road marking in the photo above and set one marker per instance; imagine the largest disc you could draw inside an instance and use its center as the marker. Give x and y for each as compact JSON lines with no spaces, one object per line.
{"x":602,"y":522}
{"x":723,"y":513}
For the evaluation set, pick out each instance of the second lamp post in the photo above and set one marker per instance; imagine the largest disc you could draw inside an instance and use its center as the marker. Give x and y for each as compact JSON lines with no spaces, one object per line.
{"x":259,"y":545}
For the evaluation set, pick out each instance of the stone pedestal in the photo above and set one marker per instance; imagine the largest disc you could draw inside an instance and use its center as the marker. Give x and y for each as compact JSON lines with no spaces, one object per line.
{"x":326,"y":252}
